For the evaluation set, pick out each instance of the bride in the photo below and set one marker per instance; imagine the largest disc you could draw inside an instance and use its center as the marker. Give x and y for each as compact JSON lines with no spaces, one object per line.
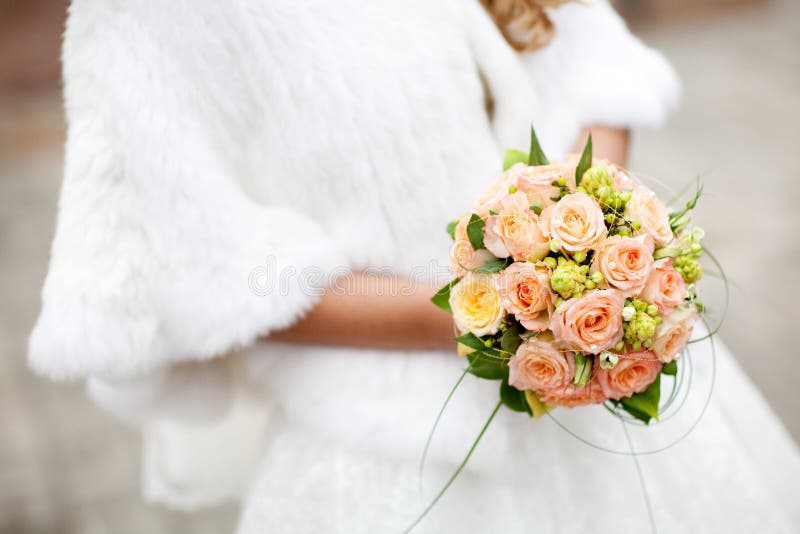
{"x":248,"y":236}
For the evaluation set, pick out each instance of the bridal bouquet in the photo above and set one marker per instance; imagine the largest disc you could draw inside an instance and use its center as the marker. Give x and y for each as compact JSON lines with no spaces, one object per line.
{"x":574,"y":285}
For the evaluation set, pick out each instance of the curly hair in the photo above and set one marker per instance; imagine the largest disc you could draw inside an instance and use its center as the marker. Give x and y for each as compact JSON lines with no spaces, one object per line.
{"x":524,"y":23}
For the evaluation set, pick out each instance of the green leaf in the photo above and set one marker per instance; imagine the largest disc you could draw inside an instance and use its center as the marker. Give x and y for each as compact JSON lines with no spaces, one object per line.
{"x":670,"y":369}
{"x":476,"y":343}
{"x":638,"y":414}
{"x":536,"y":156}
{"x":666,"y":252}
{"x":493,"y":266}
{"x":475,"y":231}
{"x":536,"y":406}
{"x":442,"y":297}
{"x":583,"y":369}
{"x":644,"y":405}
{"x":485,"y":364}
{"x":472,"y":341}
{"x":451,"y":229}
{"x":513,"y":398}
{"x":585,"y":163}
{"x":511,"y":339}
{"x":512,"y":157}
{"x":674,"y":218}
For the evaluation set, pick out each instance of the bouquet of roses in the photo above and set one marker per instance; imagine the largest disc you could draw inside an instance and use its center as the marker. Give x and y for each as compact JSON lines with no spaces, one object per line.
{"x":573,"y":285}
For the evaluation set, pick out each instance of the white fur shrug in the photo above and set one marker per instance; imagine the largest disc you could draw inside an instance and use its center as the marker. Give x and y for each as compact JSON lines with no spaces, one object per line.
{"x":207,"y":139}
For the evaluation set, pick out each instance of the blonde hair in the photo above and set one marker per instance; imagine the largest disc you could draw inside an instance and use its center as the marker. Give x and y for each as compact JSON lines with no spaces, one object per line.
{"x":524,"y":23}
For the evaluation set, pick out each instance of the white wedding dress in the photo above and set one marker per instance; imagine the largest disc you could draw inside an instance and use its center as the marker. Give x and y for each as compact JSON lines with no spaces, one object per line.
{"x":228,"y":160}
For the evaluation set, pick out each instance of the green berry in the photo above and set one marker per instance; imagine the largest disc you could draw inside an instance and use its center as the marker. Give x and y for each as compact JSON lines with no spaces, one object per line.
{"x":567,"y":279}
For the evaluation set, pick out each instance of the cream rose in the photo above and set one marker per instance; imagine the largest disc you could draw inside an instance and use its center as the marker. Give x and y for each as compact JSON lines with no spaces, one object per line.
{"x":576,"y":221}
{"x":515,"y":230}
{"x":674,"y":333}
{"x":634,"y":372}
{"x":539,"y":366}
{"x":525,"y":292}
{"x":645,"y":208}
{"x":625,"y":262}
{"x":570,"y":396}
{"x":464,"y":258}
{"x":665,"y":287}
{"x":592,"y":323}
{"x":476,"y":304}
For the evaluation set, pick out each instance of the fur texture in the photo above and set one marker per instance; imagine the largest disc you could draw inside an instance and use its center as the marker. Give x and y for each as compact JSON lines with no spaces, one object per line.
{"x":207,"y":139}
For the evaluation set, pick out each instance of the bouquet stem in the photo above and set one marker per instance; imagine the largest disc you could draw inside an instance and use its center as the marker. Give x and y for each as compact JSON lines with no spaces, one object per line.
{"x":457,"y":471}
{"x":433,"y":429}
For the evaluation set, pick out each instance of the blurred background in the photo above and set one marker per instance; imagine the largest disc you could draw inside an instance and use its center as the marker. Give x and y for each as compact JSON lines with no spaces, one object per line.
{"x":67,"y":467}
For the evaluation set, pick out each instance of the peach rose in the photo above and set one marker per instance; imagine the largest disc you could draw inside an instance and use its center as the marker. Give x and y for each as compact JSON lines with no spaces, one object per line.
{"x":537,"y":182}
{"x":645,"y":208}
{"x":476,"y":304}
{"x":665,"y":288}
{"x":464,"y":258}
{"x":673,"y":333}
{"x":625,"y":262}
{"x":570,"y":396}
{"x":592,"y":323}
{"x":460,"y":233}
{"x":569,"y":163}
{"x":525,"y":292}
{"x":494,"y":192}
{"x":621,"y":179}
{"x":515,"y":230}
{"x":539,"y":366}
{"x":634,"y":372}
{"x":576,"y":221}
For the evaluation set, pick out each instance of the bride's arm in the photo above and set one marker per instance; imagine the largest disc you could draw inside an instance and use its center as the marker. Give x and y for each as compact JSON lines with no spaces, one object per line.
{"x":375,"y":312}
{"x":390,"y":314}
{"x":607,"y":143}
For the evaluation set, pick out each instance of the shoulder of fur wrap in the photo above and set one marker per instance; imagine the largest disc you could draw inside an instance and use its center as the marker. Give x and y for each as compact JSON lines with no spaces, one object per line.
{"x":524,"y":23}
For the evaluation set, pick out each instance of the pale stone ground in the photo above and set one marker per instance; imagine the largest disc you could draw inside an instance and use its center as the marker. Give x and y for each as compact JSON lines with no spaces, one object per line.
{"x":66,"y":467}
